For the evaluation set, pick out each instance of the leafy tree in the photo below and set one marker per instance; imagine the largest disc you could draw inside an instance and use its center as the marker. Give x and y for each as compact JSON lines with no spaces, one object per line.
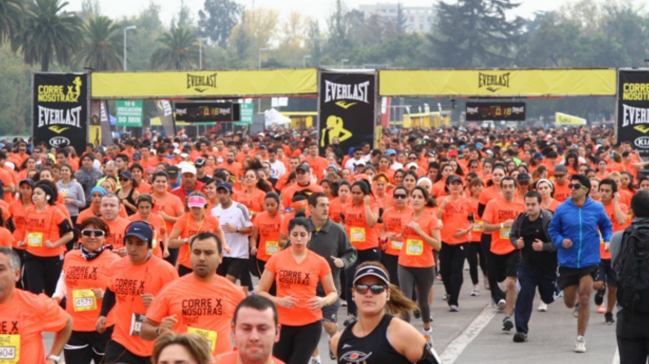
{"x":90,"y":9}
{"x":315,"y":42}
{"x":102,"y":45}
{"x":241,"y":44}
{"x":401,"y":18}
{"x":49,"y":32}
{"x":179,"y":51}
{"x":11,"y":15}
{"x":141,"y":42}
{"x":185,"y":19}
{"x":15,"y":102}
{"x":218,"y":19}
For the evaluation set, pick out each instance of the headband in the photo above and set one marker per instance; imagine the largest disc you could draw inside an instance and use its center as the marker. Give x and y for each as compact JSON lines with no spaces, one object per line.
{"x":545,"y":180}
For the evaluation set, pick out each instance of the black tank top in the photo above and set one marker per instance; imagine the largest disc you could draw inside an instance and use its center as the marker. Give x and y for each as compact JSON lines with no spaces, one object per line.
{"x":371,"y":349}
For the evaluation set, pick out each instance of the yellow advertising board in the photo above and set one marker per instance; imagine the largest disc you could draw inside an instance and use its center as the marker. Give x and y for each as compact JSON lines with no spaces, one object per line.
{"x":202,"y":84}
{"x":498,"y":82}
{"x":565,"y":119}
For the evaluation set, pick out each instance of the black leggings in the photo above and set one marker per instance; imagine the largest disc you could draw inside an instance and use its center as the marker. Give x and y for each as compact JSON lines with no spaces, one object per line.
{"x":82,"y":347}
{"x":297,"y":343}
{"x":363,"y":256}
{"x":423,"y":279}
{"x":496,"y":293}
{"x":116,"y":353}
{"x":42,"y":273}
{"x":475,"y":255}
{"x":451,"y":260}
{"x":173,"y":256}
{"x":391,"y":263}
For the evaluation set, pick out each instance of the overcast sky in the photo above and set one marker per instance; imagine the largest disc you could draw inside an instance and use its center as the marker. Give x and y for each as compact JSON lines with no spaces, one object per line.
{"x":319,"y":9}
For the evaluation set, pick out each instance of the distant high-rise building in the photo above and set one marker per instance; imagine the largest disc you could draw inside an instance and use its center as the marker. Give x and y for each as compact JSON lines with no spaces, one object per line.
{"x":416,"y":18}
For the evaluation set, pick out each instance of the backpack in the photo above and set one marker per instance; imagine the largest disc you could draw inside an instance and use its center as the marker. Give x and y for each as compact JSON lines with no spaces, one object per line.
{"x":632,"y":269}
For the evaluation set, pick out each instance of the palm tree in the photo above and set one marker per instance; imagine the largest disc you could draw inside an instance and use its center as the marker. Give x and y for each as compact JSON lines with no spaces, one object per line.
{"x":179,"y":51}
{"x":49,"y":32}
{"x":11,"y":14}
{"x":101,"y":49}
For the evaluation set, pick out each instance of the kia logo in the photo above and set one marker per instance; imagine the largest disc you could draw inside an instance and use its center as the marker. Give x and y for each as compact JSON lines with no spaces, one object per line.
{"x":642,"y":142}
{"x":60,"y":141}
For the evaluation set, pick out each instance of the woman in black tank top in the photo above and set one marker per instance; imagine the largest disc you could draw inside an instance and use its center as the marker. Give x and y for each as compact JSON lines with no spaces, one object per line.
{"x":127,"y":193}
{"x":378,"y":337}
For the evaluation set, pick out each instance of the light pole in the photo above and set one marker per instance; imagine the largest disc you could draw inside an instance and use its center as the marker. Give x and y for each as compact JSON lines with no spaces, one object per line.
{"x":304,"y":60}
{"x":342,"y":62}
{"x":125,"y":30}
{"x":200,"y":52}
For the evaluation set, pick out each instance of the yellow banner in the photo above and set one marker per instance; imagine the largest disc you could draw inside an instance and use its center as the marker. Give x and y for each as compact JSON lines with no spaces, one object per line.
{"x":199,"y":84}
{"x":565,"y":119}
{"x":503,"y":82}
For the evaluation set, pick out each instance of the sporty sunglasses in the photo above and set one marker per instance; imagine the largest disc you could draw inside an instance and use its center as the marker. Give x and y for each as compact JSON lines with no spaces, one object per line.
{"x":374,"y":288}
{"x":91,"y":232}
{"x":576,"y":186}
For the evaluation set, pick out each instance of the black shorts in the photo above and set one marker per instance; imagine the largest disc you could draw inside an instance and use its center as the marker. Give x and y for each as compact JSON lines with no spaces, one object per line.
{"x":571,"y":276}
{"x":330,"y":313}
{"x":82,"y":339}
{"x":505,"y":265}
{"x":116,"y":353}
{"x":232,"y":267}
{"x":606,"y":273}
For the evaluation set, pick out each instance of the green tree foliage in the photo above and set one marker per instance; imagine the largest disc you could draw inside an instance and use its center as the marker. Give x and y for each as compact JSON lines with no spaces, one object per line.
{"x":178,"y":51}
{"x":15,"y":78}
{"x":11,"y":15}
{"x":102,"y":45}
{"x":217,"y":20}
{"x":49,"y":32}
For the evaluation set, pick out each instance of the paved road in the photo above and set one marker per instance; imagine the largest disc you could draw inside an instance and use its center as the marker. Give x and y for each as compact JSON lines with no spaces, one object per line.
{"x":474,"y":334}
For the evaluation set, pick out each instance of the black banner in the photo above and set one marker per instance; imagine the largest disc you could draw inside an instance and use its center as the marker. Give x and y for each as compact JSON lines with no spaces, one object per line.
{"x":346,"y":109}
{"x":633,"y":109}
{"x":508,"y":111}
{"x":60,"y":110}
{"x":196,"y":112}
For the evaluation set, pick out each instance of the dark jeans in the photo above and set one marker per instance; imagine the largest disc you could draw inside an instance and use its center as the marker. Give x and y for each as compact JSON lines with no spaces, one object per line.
{"x":632,"y":332}
{"x":363,"y":256}
{"x":529,"y":278}
{"x":496,"y":293}
{"x":42,"y":273}
{"x":476,"y":256}
{"x":451,"y":265}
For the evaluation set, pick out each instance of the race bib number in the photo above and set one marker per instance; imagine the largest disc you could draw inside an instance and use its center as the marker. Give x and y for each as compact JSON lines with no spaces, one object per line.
{"x":397,"y":245}
{"x":357,"y":234}
{"x":209,"y":335}
{"x":272,"y":247}
{"x":477,"y":227}
{"x":137,"y":319}
{"x":84,"y":300}
{"x":504,"y":233}
{"x":414,"y":247}
{"x":35,"y":240}
{"x":9,"y":349}
{"x":64,"y":193}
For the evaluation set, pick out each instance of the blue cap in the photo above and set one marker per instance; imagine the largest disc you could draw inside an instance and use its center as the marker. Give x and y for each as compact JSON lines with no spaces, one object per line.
{"x":225,"y":185}
{"x":391,"y":152}
{"x":140,"y":230}
{"x":462,"y":147}
{"x":29,"y":181}
{"x":98,"y":189}
{"x":478,"y":146}
{"x":334,"y":167}
{"x":538,"y":155}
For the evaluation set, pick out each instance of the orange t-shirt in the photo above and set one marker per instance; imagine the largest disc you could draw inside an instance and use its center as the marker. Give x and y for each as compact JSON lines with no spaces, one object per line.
{"x":129,"y":282}
{"x":476,"y":232}
{"x":553,"y":205}
{"x":170,"y":205}
{"x":117,"y":229}
{"x":204,"y":306}
{"x":289,"y":191}
{"x":610,"y":212}
{"x":318,"y":166}
{"x":268,"y":228}
{"x":487,"y":195}
{"x":496,"y":212}
{"x":41,"y":227}
{"x":335,"y":209}
{"x":417,"y":253}
{"x":561,"y":193}
{"x":455,"y":217}
{"x":360,"y":234}
{"x":299,"y":280}
{"x":393,"y":223}
{"x":439,"y":188}
{"x":80,"y":275}
{"x":19,"y":213}
{"x":143,"y":187}
{"x":231,"y":358}
{"x":160,"y":227}
{"x":6,"y":238}
{"x":254,"y":202}
{"x":8,"y":180}
{"x":188,"y":227}
{"x":23,"y":319}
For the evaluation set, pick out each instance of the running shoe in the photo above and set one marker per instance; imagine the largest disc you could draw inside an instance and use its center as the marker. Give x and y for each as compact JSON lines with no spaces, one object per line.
{"x":439,"y":277}
{"x":508,"y":324}
{"x":575,"y":311}
{"x":343,"y":303}
{"x":502,"y":304}
{"x":476,"y":291}
{"x":520,"y":337}
{"x":314,"y":360}
{"x":543,"y":307}
{"x":580,"y":344}
{"x":599,"y":297}
{"x":445,"y":297}
{"x":601,"y":309}
{"x":608,"y":318}
{"x":454,"y":308}
{"x":350,"y":320}
{"x":428,"y":336}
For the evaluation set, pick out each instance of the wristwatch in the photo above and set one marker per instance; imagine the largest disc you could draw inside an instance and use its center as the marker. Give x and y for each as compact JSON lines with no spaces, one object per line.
{"x":54,"y":357}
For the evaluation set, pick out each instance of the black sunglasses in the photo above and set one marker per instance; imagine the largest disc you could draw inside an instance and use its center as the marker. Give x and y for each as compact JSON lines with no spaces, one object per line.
{"x":576,"y":186}
{"x":398,"y":196}
{"x":90,"y":232}
{"x":375,"y":288}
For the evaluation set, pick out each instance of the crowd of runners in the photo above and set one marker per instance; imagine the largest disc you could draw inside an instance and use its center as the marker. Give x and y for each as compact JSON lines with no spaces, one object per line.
{"x":238,"y":248}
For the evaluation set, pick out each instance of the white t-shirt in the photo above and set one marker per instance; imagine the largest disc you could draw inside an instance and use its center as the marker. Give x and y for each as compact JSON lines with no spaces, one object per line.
{"x":277,"y":169}
{"x":237,"y":216}
{"x":350,"y":164}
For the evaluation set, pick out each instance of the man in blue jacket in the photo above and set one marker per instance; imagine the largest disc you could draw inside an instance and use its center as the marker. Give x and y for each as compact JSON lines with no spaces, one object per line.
{"x":575,"y":230}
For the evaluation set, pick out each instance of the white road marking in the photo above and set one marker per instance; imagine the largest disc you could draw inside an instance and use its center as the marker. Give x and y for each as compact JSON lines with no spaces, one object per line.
{"x":457,"y":346}
{"x":616,"y":356}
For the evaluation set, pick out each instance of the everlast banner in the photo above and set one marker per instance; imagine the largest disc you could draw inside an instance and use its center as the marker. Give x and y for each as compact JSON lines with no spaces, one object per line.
{"x":60,"y":109}
{"x":633,"y":109}
{"x":346,"y":109}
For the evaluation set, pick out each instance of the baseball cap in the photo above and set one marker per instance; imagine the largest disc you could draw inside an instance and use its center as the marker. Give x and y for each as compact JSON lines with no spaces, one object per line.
{"x":200,"y":162}
{"x":304,"y":166}
{"x":196,"y":201}
{"x":188,"y":168}
{"x":97,"y":189}
{"x":453,"y":178}
{"x":538,"y":155}
{"x":412,"y":165}
{"x":391,"y":152}
{"x":560,"y":168}
{"x":372,"y":271}
{"x":263,"y":146}
{"x":125,"y":175}
{"x":453,"y":153}
{"x":176,"y":151}
{"x":29,"y":181}
{"x":224,"y":185}
{"x":523,"y":177}
{"x":172,"y":171}
{"x":137,"y":156}
{"x":140,"y":230}
{"x":334,"y":167}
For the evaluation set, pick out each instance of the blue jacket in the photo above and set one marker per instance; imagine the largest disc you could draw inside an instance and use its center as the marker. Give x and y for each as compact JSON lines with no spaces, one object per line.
{"x":581,"y":225}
